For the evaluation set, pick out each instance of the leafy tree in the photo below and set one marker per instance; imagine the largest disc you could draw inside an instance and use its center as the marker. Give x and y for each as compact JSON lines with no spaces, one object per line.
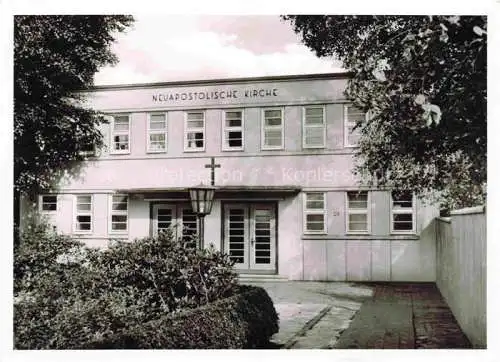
{"x":54,"y":57}
{"x":422,"y":80}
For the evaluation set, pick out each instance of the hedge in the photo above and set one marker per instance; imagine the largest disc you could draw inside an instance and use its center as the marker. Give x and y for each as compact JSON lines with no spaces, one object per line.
{"x":245,"y":320}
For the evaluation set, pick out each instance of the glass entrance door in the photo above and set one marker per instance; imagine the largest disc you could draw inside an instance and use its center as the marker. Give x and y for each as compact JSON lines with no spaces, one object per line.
{"x":250,"y":236}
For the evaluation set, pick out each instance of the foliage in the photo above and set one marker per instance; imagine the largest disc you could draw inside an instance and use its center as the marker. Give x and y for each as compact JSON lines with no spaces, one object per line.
{"x":423,"y":81}
{"x":54,"y":57}
{"x":178,"y":276}
{"x":245,"y":320}
{"x":37,"y":256}
{"x":68,"y":295}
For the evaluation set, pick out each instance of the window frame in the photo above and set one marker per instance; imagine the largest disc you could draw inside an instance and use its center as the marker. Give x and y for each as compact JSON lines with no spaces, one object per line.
{"x":41,"y":203}
{"x":202,"y":149}
{"x":304,"y":126}
{"x":225,"y":128}
{"x":306,"y":211}
{"x":412,"y":212}
{"x":89,"y":153}
{"x":263,"y":128}
{"x":367,"y":211}
{"x":83,"y":213}
{"x":114,"y":133}
{"x":346,"y":126}
{"x":118,"y":212}
{"x":150,"y":131}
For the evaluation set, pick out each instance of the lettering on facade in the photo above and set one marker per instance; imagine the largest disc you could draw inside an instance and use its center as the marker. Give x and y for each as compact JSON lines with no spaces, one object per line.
{"x":216,"y":95}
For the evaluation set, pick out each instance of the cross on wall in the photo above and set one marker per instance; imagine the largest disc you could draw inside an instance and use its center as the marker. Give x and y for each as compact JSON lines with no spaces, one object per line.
{"x":212,"y":165}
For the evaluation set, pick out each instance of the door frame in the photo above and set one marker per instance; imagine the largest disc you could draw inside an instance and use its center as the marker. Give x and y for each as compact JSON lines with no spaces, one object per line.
{"x":275,"y":204}
{"x":177,"y":204}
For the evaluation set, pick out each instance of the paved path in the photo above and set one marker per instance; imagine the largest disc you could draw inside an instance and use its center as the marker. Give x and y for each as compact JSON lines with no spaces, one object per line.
{"x":369,"y":315}
{"x":313,"y":314}
{"x":404,"y":315}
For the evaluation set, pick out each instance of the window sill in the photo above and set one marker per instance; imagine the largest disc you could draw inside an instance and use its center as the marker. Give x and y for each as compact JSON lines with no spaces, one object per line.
{"x":155,"y":152}
{"x":360,"y":237}
{"x":120,"y":153}
{"x":313,"y":234}
{"x":403,"y":233}
{"x":313,"y":147}
{"x":357,"y":233}
{"x":272,"y":148}
{"x":233,"y":150}
{"x":194,"y":150}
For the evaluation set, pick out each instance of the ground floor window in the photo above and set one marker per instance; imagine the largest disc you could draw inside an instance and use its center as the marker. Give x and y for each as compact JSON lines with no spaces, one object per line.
{"x":83,"y":222}
{"x":314,"y":212}
{"x":358,"y":212}
{"x":119,"y":214}
{"x":402,"y":212}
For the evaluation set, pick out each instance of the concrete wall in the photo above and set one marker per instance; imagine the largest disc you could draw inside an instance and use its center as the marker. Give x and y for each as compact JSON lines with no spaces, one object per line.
{"x":461,"y":269}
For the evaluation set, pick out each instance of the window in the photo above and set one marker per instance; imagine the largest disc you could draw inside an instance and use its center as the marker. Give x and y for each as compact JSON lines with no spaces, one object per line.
{"x":402,"y":212}
{"x":232,"y":137}
{"x":358,"y":212}
{"x":83,"y":222}
{"x":48,"y":203}
{"x":87,"y":149}
{"x":157,"y":132}
{"x":121,"y":134}
{"x":314,"y":212}
{"x":119,"y":213}
{"x":272,"y":129}
{"x":194,"y":131}
{"x":313,"y":127}
{"x":351,"y":116}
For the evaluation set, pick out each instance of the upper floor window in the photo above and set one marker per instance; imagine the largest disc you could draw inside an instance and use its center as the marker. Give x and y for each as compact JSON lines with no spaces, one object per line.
{"x":83,"y":221}
{"x":314,"y":212}
{"x":272,"y":129}
{"x":358,"y":212}
{"x":402,"y":212}
{"x":313,"y":127}
{"x":48,"y":203}
{"x":194,"y":131}
{"x":87,"y":150}
{"x":119,"y":213}
{"x":232,"y":133}
{"x":120,"y":134}
{"x":157,"y":132}
{"x":351,"y":116}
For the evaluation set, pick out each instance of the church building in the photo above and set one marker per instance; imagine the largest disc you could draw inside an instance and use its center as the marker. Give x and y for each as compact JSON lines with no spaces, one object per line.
{"x":280,"y":150}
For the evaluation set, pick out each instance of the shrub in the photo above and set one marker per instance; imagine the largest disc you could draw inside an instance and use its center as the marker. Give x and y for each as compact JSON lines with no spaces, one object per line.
{"x":69,"y":295}
{"x":176,"y":276}
{"x":245,"y":320}
{"x":37,"y":256}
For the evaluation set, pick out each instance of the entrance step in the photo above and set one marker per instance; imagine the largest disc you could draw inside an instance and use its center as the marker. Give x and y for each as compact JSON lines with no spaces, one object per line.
{"x":246,"y":278}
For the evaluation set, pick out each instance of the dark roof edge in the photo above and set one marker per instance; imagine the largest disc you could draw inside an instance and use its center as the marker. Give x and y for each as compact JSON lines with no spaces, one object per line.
{"x":279,"y":78}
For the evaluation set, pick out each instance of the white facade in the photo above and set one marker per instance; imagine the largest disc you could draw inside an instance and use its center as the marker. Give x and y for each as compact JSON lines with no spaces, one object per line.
{"x":286,"y":203}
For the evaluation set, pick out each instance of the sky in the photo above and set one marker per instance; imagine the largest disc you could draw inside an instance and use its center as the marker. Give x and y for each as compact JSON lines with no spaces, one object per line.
{"x":190,"y":47}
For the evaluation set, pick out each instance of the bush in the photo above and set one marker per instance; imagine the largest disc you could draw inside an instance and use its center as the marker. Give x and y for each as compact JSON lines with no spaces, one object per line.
{"x":245,"y":320}
{"x":38,"y":254}
{"x":176,"y":277}
{"x":68,"y":295}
